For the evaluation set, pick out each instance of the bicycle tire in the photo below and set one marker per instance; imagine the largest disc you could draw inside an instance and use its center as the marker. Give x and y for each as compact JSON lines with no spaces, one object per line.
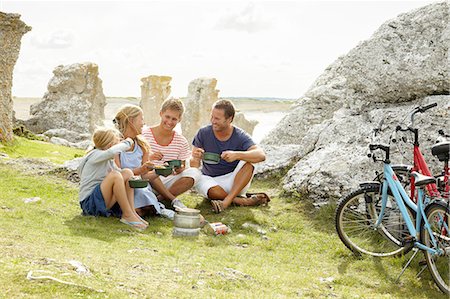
{"x":355,"y":217}
{"x":438,"y":265}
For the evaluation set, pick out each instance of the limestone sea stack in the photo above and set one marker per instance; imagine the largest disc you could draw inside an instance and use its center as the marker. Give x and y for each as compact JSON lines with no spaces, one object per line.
{"x":74,"y":101}
{"x":11,"y":31}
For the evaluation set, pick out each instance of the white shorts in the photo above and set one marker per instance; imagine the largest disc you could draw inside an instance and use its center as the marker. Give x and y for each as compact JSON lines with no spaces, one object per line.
{"x":191,"y":172}
{"x":225,"y":181}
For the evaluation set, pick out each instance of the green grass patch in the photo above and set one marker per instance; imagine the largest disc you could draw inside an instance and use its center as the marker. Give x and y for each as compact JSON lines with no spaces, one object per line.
{"x":25,"y":148}
{"x":295,"y":253}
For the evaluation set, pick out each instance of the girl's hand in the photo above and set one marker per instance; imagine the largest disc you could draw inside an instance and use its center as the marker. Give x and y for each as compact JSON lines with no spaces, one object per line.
{"x":149,"y":165}
{"x":156,"y":156}
{"x":130,"y":140}
{"x":146,"y":167}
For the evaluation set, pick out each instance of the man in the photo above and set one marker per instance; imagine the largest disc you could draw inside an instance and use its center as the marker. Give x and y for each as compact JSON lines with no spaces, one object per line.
{"x":226,"y":182}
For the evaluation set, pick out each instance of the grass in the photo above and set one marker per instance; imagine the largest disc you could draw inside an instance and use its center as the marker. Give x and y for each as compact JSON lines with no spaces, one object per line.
{"x":24,"y":148}
{"x":299,"y":255}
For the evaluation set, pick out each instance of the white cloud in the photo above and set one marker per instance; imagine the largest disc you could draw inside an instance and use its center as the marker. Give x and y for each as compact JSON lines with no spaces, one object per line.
{"x":248,"y":20}
{"x":59,"y":39}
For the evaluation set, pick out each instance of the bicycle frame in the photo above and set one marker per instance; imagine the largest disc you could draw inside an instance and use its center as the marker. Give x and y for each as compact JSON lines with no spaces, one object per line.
{"x":421,"y":166}
{"x":391,"y":181}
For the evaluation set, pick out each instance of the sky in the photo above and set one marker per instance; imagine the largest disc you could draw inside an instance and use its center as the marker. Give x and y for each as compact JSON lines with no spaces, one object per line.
{"x":253,"y":48}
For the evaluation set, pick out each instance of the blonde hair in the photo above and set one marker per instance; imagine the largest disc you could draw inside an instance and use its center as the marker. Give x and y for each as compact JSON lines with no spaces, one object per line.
{"x":173,"y":104}
{"x":123,"y":120}
{"x":102,"y":137}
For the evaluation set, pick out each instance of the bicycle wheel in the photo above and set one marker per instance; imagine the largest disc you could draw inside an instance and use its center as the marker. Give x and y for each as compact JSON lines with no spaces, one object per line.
{"x":356,"y":215}
{"x":438,"y":215}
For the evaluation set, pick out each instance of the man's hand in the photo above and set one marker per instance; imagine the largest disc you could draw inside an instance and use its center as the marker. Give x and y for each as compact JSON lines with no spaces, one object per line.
{"x":229,"y":156}
{"x":156,"y":156}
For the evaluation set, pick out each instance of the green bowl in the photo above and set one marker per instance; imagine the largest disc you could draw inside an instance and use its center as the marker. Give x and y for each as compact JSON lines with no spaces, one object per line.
{"x":174,"y":163}
{"x":164,"y":171}
{"x":211,"y":158}
{"x":137,"y":183}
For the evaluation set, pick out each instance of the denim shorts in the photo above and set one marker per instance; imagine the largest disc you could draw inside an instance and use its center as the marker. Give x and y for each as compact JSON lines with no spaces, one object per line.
{"x":94,"y":205}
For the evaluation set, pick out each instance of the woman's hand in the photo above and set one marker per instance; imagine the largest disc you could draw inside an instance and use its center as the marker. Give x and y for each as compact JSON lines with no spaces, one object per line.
{"x":156,"y":156}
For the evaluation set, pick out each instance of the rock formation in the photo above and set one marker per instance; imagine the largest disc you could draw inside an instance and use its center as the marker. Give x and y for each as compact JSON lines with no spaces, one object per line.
{"x":202,"y":94}
{"x":74,"y":101}
{"x":11,"y":31}
{"x":154,"y":90}
{"x":402,"y":65}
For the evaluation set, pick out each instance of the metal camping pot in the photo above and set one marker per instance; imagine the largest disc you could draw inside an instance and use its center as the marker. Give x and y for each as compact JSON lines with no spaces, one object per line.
{"x":186,"y":222}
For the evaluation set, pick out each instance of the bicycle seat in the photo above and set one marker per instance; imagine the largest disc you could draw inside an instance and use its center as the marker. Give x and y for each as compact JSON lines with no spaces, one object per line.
{"x":422,"y":180}
{"x":441,"y":151}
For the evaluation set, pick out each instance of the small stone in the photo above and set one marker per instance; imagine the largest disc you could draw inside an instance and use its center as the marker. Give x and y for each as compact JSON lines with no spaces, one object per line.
{"x":31,"y":199}
{"x":176,"y":270}
{"x":326,"y":279}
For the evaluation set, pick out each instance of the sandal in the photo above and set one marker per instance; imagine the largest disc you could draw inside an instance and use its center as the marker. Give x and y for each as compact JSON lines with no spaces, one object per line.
{"x":258,"y":198}
{"x":217,"y":206}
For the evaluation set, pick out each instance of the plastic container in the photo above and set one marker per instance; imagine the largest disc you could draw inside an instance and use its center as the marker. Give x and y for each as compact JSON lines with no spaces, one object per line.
{"x":174,"y":163}
{"x":164,"y":170}
{"x":211,"y":158}
{"x":137,"y":183}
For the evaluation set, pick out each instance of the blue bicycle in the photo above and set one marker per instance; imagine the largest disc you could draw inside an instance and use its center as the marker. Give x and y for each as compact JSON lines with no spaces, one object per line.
{"x":397,"y":225}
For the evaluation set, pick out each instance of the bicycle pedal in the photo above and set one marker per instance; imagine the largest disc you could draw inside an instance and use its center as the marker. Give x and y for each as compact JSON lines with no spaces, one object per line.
{"x":422,"y":263}
{"x":408,"y":240}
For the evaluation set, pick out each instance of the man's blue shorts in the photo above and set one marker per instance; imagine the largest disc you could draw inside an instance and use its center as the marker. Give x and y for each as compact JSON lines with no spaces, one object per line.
{"x":94,"y":205}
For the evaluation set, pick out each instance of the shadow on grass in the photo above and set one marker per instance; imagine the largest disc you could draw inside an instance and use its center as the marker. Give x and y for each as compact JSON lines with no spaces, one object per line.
{"x":100,"y":228}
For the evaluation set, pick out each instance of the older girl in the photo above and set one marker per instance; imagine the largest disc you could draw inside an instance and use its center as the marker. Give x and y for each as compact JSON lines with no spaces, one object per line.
{"x":129,"y":121}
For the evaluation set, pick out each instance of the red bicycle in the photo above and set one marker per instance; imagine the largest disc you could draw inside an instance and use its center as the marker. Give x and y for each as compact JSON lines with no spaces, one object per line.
{"x":440,"y":150}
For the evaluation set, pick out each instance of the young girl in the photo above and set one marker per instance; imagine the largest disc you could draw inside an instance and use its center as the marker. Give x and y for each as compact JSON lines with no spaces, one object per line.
{"x":103,"y":185}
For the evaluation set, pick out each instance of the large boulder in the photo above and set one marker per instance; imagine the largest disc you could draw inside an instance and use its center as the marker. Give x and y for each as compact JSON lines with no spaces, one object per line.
{"x":154,"y":91}
{"x":11,"y":31}
{"x":403,"y":64}
{"x":74,"y":101}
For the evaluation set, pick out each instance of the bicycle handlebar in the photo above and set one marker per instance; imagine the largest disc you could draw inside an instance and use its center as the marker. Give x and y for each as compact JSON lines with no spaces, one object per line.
{"x":425,"y":108}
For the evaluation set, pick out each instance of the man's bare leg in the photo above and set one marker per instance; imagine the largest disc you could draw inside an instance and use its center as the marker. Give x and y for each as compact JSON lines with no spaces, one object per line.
{"x":241,"y":180}
{"x":181,"y":186}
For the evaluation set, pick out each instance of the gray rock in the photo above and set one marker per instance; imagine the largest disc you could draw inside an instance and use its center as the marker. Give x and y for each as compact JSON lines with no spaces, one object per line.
{"x":61,"y":141}
{"x":67,"y":134}
{"x":154,"y":91}
{"x":11,"y":31}
{"x":72,"y":165}
{"x":74,"y":101}
{"x":202,"y":94}
{"x":403,"y":65}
